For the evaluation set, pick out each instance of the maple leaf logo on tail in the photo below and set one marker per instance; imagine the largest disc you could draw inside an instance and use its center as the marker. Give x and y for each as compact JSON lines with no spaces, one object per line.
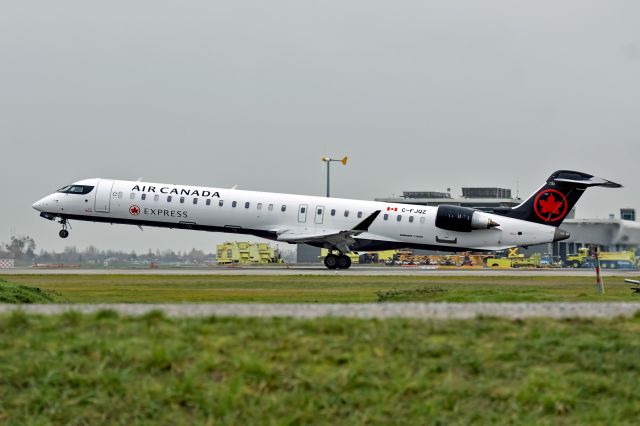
{"x":550,"y":205}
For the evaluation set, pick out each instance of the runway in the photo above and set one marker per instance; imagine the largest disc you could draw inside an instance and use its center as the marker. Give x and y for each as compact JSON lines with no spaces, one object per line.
{"x":556,"y":310}
{"x":318,"y":270}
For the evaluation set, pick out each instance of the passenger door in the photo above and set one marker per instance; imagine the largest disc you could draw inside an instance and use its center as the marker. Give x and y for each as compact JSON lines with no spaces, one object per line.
{"x":103,"y":196}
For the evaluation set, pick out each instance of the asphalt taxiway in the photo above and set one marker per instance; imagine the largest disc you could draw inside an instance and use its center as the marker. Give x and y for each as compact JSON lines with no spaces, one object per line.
{"x":318,"y":270}
{"x":556,"y":310}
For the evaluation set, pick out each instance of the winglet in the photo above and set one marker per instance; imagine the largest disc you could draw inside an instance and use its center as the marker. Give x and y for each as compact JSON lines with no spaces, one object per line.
{"x":365,"y":224}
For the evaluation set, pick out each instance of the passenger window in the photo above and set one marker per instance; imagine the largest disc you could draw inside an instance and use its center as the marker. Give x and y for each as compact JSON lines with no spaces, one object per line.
{"x":333,"y":212}
{"x":246,"y":205}
{"x":386,"y":217}
{"x":120,"y":194}
{"x":143,"y":197}
{"x":208,"y":202}
{"x":132,"y":196}
{"x":221,"y":203}
{"x":359,"y":215}
{"x":399,"y":218}
{"x":270,"y":207}
{"x":169,"y":199}
{"x":283,"y":208}
{"x":195,"y":201}
{"x":156,"y":197}
{"x":422,"y":220}
{"x":234,"y":204}
{"x":259,"y":206}
{"x":181,"y":200}
{"x":410,"y":219}
{"x":346,"y":213}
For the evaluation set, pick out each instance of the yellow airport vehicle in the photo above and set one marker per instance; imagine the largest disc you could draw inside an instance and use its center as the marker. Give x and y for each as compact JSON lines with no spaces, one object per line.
{"x":608,"y":260}
{"x":515,"y":259}
{"x":246,"y":253}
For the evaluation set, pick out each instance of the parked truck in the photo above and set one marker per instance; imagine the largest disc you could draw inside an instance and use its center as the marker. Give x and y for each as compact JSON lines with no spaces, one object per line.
{"x":608,"y":260}
{"x":514,"y":259}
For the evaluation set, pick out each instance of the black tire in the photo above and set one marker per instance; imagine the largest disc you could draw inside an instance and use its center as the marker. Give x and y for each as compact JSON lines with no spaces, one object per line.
{"x":344,"y":262}
{"x":331,"y":261}
{"x":575,"y":264}
{"x":63,"y":233}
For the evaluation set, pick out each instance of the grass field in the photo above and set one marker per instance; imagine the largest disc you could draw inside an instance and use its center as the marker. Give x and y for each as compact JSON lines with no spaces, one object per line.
{"x":321,"y":288}
{"x":101,"y":369}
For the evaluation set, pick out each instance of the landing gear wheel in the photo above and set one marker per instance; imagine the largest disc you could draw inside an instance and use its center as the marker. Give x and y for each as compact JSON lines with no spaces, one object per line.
{"x":344,"y":261}
{"x":64,"y":233}
{"x":331,"y":261}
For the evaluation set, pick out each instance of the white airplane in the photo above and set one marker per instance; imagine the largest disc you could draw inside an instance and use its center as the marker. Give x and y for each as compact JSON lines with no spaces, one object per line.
{"x":340,"y":225}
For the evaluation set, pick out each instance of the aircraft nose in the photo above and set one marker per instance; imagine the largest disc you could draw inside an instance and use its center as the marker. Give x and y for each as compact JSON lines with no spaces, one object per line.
{"x":39,"y":205}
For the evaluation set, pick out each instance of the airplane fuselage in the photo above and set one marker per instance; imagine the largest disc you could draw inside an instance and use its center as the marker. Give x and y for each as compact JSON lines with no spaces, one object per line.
{"x":279,"y":216}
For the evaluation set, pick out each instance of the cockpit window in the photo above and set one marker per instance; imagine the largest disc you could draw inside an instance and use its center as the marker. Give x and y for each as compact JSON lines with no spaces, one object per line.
{"x":76,"y":189}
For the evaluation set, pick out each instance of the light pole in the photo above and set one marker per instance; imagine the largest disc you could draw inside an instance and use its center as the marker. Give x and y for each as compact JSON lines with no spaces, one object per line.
{"x":328,"y":161}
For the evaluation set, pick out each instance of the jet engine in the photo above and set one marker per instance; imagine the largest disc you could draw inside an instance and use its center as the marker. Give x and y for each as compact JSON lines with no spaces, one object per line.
{"x":462,"y":219}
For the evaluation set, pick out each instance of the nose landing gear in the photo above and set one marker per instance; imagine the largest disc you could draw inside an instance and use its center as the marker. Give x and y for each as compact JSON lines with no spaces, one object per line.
{"x":63,"y":232}
{"x":342,"y":261}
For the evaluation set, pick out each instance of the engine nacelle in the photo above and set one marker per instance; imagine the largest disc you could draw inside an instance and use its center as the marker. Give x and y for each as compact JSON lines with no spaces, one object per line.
{"x":462,"y":219}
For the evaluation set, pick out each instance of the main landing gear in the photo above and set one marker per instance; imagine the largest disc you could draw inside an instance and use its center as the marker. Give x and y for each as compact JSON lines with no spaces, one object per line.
{"x":341,"y":261}
{"x":63,"y":232}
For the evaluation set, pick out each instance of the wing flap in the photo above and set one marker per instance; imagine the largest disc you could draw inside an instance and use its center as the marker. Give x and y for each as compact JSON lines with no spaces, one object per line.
{"x":332,"y":238}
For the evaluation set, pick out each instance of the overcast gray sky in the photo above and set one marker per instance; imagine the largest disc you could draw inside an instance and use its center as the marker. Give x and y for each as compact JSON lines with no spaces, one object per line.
{"x":422,"y":95}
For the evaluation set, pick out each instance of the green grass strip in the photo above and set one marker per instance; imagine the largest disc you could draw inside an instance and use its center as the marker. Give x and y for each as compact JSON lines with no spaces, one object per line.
{"x":104,"y":369}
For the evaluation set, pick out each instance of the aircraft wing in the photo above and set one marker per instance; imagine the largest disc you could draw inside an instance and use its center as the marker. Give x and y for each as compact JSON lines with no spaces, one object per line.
{"x":340,"y":239}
